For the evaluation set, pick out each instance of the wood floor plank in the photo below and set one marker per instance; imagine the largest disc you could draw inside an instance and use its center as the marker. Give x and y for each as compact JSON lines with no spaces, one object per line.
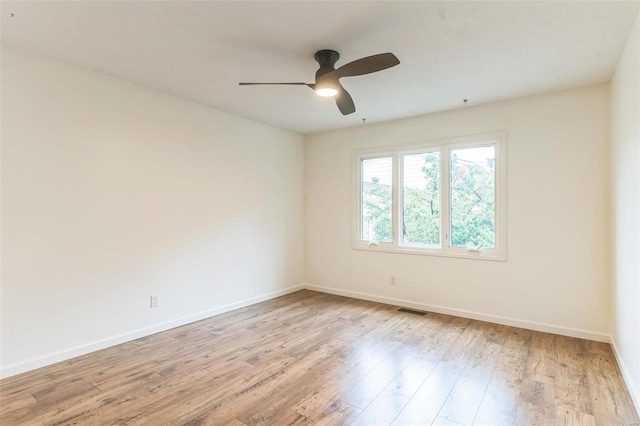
{"x":62,"y":413}
{"x":328,"y":392}
{"x":441,"y":421}
{"x":287,"y":394}
{"x":466,"y":396}
{"x":498,"y":406}
{"x":65,"y":389}
{"x":536,"y":404}
{"x":541,"y":363}
{"x":21,"y":400}
{"x":120,"y":405}
{"x":321,"y":359}
{"x":288,"y":418}
{"x":568,"y":417}
{"x":383,"y":410}
{"x":408,"y":381}
{"x":132,"y":378}
{"x":609,"y":395}
{"x":338,"y":413}
{"x":365,"y":390}
{"x":259,"y":400}
{"x":210,"y":403}
{"x":429,"y":398}
{"x":571,"y":383}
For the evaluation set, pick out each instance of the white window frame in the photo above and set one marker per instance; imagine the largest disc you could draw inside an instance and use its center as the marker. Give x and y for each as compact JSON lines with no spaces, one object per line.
{"x":444,"y":147}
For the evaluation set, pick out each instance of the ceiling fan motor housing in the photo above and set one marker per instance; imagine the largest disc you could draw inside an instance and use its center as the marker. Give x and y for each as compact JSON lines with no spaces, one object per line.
{"x":326,"y":59}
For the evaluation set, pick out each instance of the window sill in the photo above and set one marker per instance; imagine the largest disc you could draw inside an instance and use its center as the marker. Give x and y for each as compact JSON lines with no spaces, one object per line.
{"x":425,"y":252}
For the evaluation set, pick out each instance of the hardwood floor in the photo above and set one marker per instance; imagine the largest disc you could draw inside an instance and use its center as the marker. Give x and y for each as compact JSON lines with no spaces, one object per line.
{"x":313,"y":358}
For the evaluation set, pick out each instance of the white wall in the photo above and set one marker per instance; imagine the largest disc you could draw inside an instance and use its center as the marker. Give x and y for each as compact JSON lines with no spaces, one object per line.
{"x":625,"y":189}
{"x":558,"y":268}
{"x":112,"y":192}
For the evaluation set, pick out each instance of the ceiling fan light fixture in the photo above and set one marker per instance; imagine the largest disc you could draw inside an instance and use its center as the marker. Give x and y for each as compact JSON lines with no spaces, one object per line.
{"x":326,"y":91}
{"x":326,"y":85}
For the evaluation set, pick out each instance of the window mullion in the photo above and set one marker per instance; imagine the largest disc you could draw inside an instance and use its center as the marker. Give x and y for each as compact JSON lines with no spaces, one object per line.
{"x":396,"y":199}
{"x":445,"y":210}
{"x":500,"y":199}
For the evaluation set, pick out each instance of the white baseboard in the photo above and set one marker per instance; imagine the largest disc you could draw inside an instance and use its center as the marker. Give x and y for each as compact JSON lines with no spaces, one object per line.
{"x":514,"y":322}
{"x":631,"y":384}
{"x":42,"y":361}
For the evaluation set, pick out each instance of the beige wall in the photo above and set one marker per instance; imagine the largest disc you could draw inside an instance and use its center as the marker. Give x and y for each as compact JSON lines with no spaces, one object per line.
{"x":557,"y":276}
{"x":112,"y":192}
{"x":625,"y":189}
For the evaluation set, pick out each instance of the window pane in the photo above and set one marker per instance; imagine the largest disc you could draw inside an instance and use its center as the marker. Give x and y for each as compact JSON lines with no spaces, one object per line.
{"x":421,"y":198}
{"x":376,"y":199}
{"x":473,"y":207}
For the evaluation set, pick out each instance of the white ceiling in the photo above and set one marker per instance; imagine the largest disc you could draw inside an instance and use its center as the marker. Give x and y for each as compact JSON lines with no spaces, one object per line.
{"x":200,"y":50}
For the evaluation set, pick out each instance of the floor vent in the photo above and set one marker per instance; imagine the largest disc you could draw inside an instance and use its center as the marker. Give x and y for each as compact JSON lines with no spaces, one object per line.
{"x":411,"y":311}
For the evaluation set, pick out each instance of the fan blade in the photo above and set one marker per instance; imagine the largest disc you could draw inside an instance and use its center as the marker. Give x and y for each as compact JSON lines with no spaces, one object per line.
{"x":345,"y":102}
{"x":271,"y":84}
{"x":367,"y":65}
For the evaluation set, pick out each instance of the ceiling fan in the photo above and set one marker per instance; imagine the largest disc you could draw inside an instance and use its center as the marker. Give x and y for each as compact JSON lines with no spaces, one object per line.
{"x":327,"y":77}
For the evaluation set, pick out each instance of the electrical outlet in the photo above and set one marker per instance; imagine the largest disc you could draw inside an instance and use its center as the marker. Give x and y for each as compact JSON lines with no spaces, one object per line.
{"x":154,"y":301}
{"x":392,"y":280}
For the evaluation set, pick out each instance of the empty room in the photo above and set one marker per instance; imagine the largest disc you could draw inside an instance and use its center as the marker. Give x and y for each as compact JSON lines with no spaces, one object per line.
{"x":320,"y":212}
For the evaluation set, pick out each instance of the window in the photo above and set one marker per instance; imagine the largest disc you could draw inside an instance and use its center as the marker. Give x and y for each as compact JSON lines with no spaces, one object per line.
{"x":375,"y":196}
{"x":443,"y":198}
